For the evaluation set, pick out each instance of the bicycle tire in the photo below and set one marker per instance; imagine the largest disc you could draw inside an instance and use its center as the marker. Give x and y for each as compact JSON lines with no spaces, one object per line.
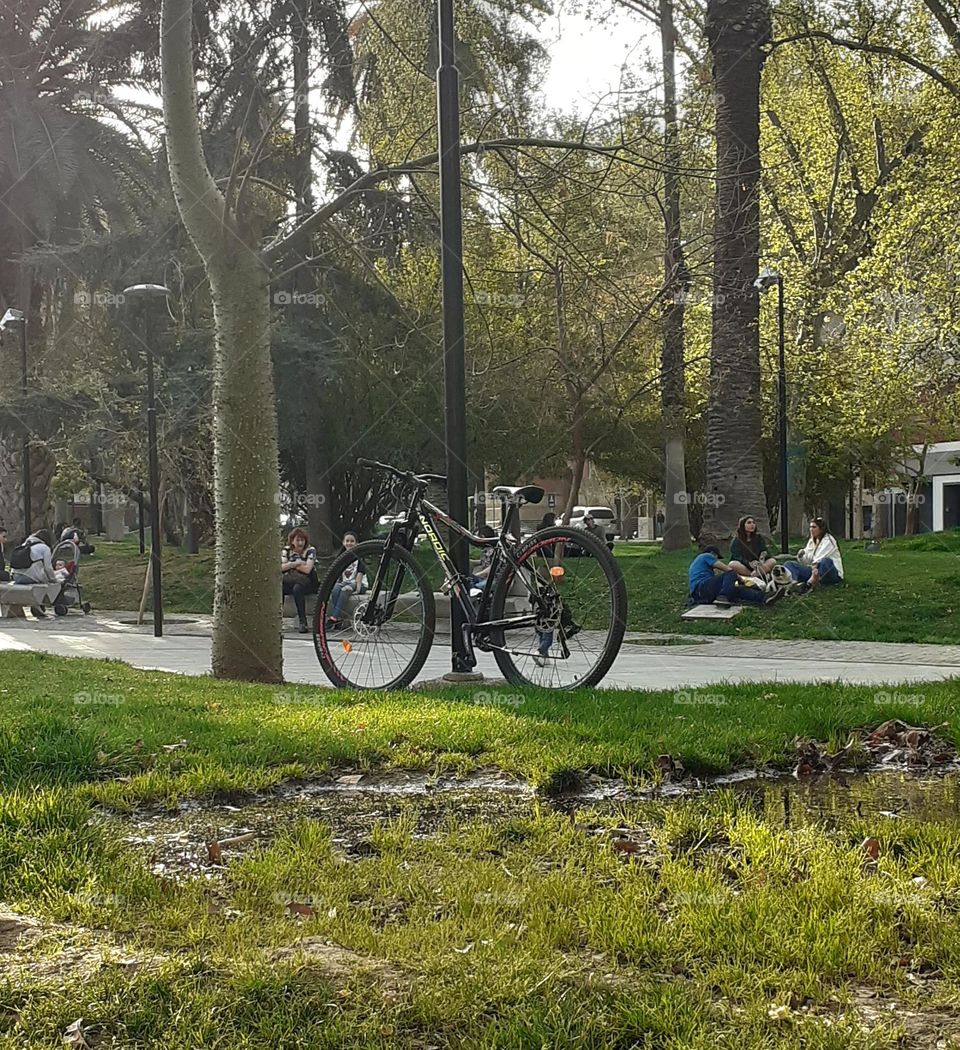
{"x":515,"y":668}
{"x":358,"y":638}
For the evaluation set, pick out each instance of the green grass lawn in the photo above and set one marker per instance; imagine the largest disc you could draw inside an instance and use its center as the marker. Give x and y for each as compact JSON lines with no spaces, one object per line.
{"x":909,"y":592}
{"x":706,"y":923}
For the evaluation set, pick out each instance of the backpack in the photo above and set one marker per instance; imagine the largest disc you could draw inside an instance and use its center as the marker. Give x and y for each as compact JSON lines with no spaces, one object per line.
{"x":20,"y":557}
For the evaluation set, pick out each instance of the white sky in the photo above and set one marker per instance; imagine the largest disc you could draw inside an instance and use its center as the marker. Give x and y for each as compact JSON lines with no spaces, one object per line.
{"x":588,"y":55}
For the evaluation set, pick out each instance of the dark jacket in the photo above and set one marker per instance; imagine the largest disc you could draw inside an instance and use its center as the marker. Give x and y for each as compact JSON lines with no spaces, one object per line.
{"x":746,"y":553}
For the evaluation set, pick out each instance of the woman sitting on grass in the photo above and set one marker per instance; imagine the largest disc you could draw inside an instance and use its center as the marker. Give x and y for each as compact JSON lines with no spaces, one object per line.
{"x":820,"y":561}
{"x":750,"y":552}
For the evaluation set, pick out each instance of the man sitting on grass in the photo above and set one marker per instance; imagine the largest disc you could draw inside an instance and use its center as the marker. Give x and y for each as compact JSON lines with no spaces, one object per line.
{"x":711,"y":582}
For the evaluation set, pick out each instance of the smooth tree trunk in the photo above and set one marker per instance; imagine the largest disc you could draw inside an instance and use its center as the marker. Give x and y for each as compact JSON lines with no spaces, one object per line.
{"x":676,"y":276}
{"x":736,"y":31}
{"x":246,"y":615}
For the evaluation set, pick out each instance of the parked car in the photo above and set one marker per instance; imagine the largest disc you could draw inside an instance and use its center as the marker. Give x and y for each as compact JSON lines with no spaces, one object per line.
{"x":603,"y":516}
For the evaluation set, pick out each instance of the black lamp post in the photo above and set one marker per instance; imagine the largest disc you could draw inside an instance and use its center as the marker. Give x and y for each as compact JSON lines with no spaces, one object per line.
{"x":454,"y":369}
{"x":767,"y":279}
{"x":17,"y":318}
{"x":147,"y":294}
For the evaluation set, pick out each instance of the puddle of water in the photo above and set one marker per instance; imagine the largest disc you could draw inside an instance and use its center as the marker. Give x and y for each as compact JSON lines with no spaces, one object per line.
{"x":176,"y":844}
{"x":831,"y":800}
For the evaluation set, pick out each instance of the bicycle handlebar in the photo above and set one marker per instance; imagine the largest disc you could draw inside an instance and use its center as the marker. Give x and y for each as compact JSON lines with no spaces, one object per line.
{"x":404,"y":475}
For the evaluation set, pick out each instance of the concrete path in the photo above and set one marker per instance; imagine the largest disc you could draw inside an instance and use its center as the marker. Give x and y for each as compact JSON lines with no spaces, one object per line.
{"x":644,"y":662}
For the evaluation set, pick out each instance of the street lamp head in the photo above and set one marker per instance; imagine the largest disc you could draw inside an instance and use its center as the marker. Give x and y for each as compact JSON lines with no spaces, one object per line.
{"x":767,"y":279}
{"x":146,"y":291}
{"x":11,"y":319}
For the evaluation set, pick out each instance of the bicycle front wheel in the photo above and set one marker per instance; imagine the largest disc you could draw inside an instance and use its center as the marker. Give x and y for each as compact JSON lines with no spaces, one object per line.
{"x":574,"y":586}
{"x":383,"y":635}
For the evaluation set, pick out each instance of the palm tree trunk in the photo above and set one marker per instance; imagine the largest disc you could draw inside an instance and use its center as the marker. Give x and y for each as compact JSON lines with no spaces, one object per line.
{"x":735,"y":30}
{"x":676,"y":526}
{"x":246,"y":612}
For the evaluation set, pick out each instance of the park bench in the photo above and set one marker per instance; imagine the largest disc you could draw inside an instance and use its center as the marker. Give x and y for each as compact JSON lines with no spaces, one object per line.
{"x":514,"y":606}
{"x":15,"y":597}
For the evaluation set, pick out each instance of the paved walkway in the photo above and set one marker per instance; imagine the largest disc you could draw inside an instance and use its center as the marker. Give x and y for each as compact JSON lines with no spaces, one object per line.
{"x":690,"y":663}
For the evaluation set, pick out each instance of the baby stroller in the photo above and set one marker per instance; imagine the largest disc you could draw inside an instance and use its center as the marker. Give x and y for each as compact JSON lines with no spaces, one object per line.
{"x":66,"y":562}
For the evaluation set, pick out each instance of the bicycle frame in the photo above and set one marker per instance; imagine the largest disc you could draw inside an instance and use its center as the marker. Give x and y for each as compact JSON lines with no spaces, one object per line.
{"x":423,"y":514}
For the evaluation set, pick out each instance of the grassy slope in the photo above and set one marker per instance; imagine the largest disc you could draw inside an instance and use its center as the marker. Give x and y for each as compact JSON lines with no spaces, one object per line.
{"x":506,"y":932}
{"x":909,"y":592}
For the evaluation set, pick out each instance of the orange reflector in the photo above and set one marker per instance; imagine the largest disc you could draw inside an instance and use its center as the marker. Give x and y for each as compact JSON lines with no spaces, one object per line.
{"x":557,"y":570}
{"x":347,"y":647}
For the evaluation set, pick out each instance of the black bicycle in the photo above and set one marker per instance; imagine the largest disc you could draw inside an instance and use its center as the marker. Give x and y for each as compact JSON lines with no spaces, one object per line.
{"x":551,"y":609}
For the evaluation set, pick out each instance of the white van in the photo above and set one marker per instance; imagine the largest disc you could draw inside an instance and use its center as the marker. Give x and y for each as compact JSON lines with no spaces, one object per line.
{"x":603,"y":516}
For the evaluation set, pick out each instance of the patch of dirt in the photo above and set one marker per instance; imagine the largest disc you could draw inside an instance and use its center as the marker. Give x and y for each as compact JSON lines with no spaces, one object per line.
{"x":202,"y":841}
{"x":39,"y":950}
{"x":923,"y":1028}
{"x":340,"y":964}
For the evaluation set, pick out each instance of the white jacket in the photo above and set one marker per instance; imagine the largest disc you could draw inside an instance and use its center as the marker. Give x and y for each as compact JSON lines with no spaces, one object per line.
{"x":825,"y":548}
{"x":41,"y":564}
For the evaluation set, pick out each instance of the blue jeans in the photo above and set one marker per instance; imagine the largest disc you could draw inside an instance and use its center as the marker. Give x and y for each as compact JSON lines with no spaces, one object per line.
{"x":338,"y":597}
{"x":725,"y":584}
{"x":802,"y":573}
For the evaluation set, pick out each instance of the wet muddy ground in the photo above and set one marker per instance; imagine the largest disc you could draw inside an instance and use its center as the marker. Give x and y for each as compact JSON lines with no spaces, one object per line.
{"x":200,"y":837}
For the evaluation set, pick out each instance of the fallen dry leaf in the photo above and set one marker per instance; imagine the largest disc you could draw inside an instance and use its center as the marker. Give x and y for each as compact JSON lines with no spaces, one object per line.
{"x":624,"y":845}
{"x":296,"y":908}
{"x":779,"y":1012}
{"x":350,"y":778}
{"x":214,"y":855}
{"x":180,"y":745}
{"x":871,"y":847}
{"x":78,"y":1036}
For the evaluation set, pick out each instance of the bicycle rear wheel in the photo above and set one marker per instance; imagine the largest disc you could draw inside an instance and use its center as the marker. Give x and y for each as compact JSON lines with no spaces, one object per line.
{"x":574,"y":585}
{"x":389,"y":651}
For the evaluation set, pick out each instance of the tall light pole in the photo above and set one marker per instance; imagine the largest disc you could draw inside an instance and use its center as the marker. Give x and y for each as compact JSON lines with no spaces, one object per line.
{"x":18,"y":319}
{"x":767,"y":279}
{"x":147,"y":294}
{"x":454,"y":368}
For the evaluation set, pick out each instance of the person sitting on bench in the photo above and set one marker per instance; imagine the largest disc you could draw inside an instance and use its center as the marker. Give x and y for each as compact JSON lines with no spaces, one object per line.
{"x":712,"y":582}
{"x":40,"y":568}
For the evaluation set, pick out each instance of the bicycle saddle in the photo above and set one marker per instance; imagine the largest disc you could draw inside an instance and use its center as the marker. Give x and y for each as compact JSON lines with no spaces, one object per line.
{"x":519,"y":494}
